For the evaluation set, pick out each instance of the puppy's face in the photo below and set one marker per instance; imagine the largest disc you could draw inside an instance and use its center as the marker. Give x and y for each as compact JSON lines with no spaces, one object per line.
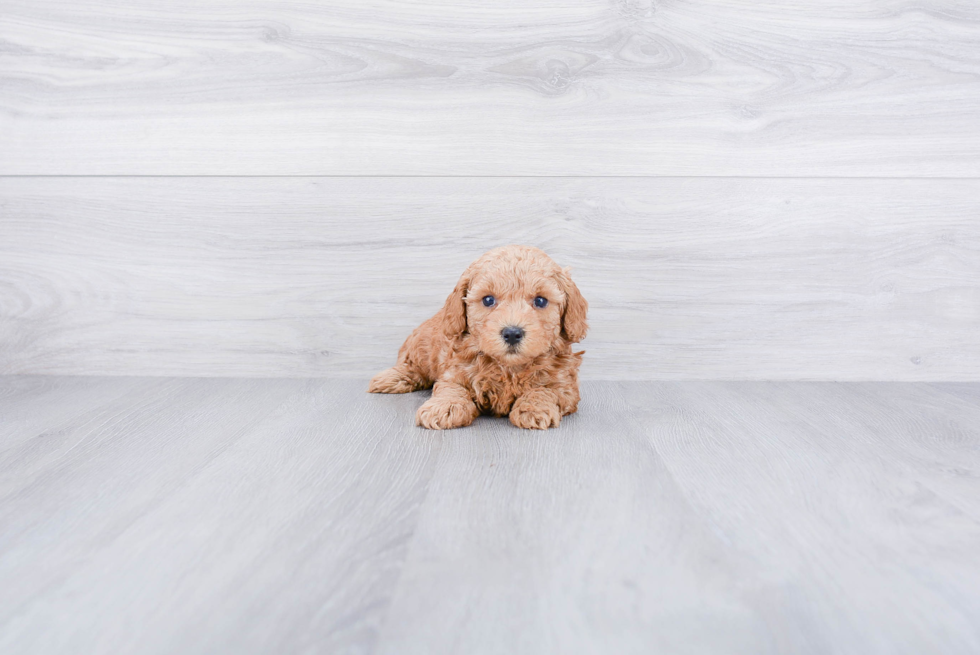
{"x":514,"y":312}
{"x":516,"y":302}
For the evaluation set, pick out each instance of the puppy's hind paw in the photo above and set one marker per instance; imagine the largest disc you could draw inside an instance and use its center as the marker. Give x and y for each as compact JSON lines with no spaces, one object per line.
{"x":393,"y":380}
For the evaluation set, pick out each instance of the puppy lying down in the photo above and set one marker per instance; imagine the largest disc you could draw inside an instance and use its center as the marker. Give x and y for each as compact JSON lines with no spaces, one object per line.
{"x":501,"y":345}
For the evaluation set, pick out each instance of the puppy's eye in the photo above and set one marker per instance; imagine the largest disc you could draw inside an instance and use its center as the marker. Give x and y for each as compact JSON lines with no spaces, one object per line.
{"x":540,"y":302}
{"x":488,"y":301}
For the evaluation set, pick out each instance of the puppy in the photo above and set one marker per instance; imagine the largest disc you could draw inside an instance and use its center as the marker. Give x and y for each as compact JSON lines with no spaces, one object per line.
{"x":501,"y":345}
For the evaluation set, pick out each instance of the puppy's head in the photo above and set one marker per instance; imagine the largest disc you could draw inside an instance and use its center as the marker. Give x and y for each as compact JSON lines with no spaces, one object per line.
{"x":516,"y":302}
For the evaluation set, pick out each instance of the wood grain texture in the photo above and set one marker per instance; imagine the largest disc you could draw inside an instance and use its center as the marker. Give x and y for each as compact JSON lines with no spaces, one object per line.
{"x":840,"y":494}
{"x":960,"y":390}
{"x":686,"y":278}
{"x":257,"y":516}
{"x":207,"y":516}
{"x":600,"y":87}
{"x":576,"y":540}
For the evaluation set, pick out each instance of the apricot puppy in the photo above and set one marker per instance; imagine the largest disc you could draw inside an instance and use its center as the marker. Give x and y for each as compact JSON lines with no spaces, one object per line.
{"x":500,"y":345}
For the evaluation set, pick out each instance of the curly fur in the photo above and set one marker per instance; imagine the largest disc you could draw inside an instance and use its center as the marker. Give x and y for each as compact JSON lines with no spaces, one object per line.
{"x":461,"y":353}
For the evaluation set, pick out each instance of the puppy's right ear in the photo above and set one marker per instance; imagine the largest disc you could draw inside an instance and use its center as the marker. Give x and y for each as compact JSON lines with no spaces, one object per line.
{"x":454,"y":311}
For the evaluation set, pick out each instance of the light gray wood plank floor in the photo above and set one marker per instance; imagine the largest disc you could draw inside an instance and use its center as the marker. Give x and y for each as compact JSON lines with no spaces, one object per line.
{"x":142,"y":515}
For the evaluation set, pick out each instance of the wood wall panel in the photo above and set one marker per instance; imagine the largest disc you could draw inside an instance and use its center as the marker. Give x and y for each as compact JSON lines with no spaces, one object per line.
{"x":600,"y":87}
{"x":686,"y":277}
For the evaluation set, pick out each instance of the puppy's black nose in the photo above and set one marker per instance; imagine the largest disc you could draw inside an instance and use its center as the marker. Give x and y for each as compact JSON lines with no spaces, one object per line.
{"x":512,"y":335}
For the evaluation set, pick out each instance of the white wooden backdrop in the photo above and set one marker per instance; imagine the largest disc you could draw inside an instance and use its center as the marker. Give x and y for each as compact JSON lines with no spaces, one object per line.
{"x":745,"y":189}
{"x":502,"y":87}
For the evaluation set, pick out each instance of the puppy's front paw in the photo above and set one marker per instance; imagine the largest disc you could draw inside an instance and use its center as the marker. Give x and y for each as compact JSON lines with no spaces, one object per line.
{"x":439,"y":414}
{"x":392,"y":380}
{"x":535,"y":414}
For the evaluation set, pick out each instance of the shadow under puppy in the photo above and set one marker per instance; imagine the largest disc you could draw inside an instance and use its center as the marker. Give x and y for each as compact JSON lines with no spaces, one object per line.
{"x":501,"y":345}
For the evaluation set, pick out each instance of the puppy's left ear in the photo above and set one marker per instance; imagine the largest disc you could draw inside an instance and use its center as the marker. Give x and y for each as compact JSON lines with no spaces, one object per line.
{"x":573,"y":325}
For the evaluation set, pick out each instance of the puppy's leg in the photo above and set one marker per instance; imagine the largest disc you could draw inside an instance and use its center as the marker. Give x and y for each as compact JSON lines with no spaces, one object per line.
{"x":398,"y":379}
{"x":537,"y":409}
{"x":449,"y":407}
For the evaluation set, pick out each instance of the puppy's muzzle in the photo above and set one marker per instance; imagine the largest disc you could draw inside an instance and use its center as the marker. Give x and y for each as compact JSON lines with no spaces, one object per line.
{"x":512,"y":335}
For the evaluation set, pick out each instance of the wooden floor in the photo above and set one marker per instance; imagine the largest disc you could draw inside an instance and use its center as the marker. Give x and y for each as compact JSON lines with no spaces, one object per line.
{"x":152,"y":515}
